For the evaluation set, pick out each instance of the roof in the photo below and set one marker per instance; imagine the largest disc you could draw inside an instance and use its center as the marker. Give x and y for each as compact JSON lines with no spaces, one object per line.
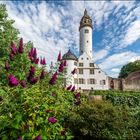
{"x":86,"y":20}
{"x":69,"y":56}
{"x":133,"y":75}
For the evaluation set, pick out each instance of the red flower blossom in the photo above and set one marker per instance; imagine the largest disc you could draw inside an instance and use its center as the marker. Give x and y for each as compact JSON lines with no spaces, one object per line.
{"x":31,"y":74}
{"x":77,"y":95}
{"x":73,"y":72}
{"x":52,"y":120}
{"x":42,"y":74}
{"x":13,"y":81}
{"x":61,"y":67}
{"x":20,"y":138}
{"x":38,"y":137}
{"x":23,"y":83}
{"x":65,"y":63}
{"x":36,"y":61}
{"x":33,"y":54}
{"x":69,"y":87}
{"x":20,"y":49}
{"x":73,"y":89}
{"x":13,"y":48}
{"x":59,"y":57}
{"x":53,"y":79}
{"x":34,"y":80}
{"x":7,"y":67}
{"x":43,"y":61}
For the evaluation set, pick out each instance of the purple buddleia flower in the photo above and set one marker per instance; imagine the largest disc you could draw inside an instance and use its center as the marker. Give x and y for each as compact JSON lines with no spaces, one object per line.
{"x":36,"y":61}
{"x":19,"y":138}
{"x":43,"y":61}
{"x":77,"y":95}
{"x":13,"y":48}
{"x":65,"y":63}
{"x":63,"y":132}
{"x":11,"y":56}
{"x":69,"y":87}
{"x":31,"y":73}
{"x":52,"y":120}
{"x":73,"y":89}
{"x":59,"y":57}
{"x":37,"y":138}
{"x":73,"y":72}
{"x":61,"y":67}
{"x":13,"y":81}
{"x":53,"y":79}
{"x":34,"y":80}
{"x":7,"y":67}
{"x":20,"y":49}
{"x":42,"y":74}
{"x":33,"y":55}
{"x":23,"y":83}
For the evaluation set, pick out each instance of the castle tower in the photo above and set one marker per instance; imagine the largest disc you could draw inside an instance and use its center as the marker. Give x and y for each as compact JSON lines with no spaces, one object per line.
{"x":85,"y":30}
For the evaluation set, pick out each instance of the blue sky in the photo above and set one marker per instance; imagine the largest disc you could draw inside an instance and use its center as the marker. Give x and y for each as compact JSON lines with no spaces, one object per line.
{"x":54,"y":26}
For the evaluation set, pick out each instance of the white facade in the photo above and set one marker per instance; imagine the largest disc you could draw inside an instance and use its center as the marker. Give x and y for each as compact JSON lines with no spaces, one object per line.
{"x":88,"y":75}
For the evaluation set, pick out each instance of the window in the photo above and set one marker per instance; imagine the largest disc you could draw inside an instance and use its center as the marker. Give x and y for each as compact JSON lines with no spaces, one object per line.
{"x":82,"y":58}
{"x":92,"y":81}
{"x":81,"y":81}
{"x":91,"y":71}
{"x":80,"y":64}
{"x":87,"y":41}
{"x":87,"y":58}
{"x":99,"y":72}
{"x":75,"y":63}
{"x":75,"y":81}
{"x":91,"y":64}
{"x":79,"y":87}
{"x":80,"y":71}
{"x":86,"y":31}
{"x":102,"y":82}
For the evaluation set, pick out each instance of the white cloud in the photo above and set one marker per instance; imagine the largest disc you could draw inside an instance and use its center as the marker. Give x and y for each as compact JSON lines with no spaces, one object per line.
{"x":100,"y":54}
{"x":116,"y":70}
{"x":118,"y":59}
{"x":133,"y":33}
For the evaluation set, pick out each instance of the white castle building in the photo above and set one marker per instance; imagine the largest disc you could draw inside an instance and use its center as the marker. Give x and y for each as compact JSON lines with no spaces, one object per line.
{"x":88,"y":75}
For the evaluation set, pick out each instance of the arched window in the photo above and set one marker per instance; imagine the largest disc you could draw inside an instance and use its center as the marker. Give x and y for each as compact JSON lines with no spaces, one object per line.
{"x":86,"y":31}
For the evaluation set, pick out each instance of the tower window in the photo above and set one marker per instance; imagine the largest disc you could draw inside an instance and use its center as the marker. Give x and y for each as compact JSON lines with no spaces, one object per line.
{"x":91,"y":81}
{"x":87,"y":41}
{"x":86,"y":31}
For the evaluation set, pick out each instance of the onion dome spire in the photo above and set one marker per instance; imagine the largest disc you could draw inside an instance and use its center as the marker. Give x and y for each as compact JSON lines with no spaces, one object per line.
{"x":86,"y":20}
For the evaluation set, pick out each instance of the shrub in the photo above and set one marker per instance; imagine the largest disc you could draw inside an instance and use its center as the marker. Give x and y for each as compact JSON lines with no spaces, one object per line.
{"x":102,"y":120}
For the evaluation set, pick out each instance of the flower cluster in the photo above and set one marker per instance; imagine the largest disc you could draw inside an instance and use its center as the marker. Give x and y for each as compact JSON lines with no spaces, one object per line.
{"x":14,"y":50}
{"x":33,"y":55}
{"x":13,"y":81}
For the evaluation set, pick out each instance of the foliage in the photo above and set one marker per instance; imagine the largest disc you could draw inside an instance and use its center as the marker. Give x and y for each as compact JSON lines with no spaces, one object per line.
{"x":125,"y":98}
{"x":102,"y":120}
{"x":35,"y":108}
{"x":128,"y":68}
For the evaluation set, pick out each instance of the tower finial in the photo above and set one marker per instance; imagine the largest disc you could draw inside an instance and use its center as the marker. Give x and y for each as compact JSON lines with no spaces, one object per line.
{"x":85,"y":12}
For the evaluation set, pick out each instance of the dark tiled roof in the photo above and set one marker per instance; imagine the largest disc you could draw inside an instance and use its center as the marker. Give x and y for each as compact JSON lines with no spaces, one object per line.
{"x":69,"y":56}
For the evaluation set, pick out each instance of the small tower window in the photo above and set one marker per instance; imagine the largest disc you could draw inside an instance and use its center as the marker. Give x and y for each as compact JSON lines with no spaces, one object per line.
{"x":86,"y":31}
{"x":87,"y":41}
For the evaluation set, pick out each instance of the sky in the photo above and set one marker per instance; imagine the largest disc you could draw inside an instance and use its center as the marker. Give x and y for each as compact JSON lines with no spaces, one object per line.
{"x":53,"y":26}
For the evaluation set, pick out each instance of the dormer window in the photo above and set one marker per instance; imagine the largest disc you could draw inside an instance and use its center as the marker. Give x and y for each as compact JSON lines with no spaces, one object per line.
{"x":86,"y":31}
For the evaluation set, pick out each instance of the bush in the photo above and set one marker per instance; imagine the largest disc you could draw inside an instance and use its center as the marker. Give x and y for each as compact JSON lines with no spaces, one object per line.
{"x":102,"y":120}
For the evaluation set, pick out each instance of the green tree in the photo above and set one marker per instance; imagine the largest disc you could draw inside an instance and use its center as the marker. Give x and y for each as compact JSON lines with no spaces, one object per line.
{"x":7,"y":33}
{"x":128,"y":68}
